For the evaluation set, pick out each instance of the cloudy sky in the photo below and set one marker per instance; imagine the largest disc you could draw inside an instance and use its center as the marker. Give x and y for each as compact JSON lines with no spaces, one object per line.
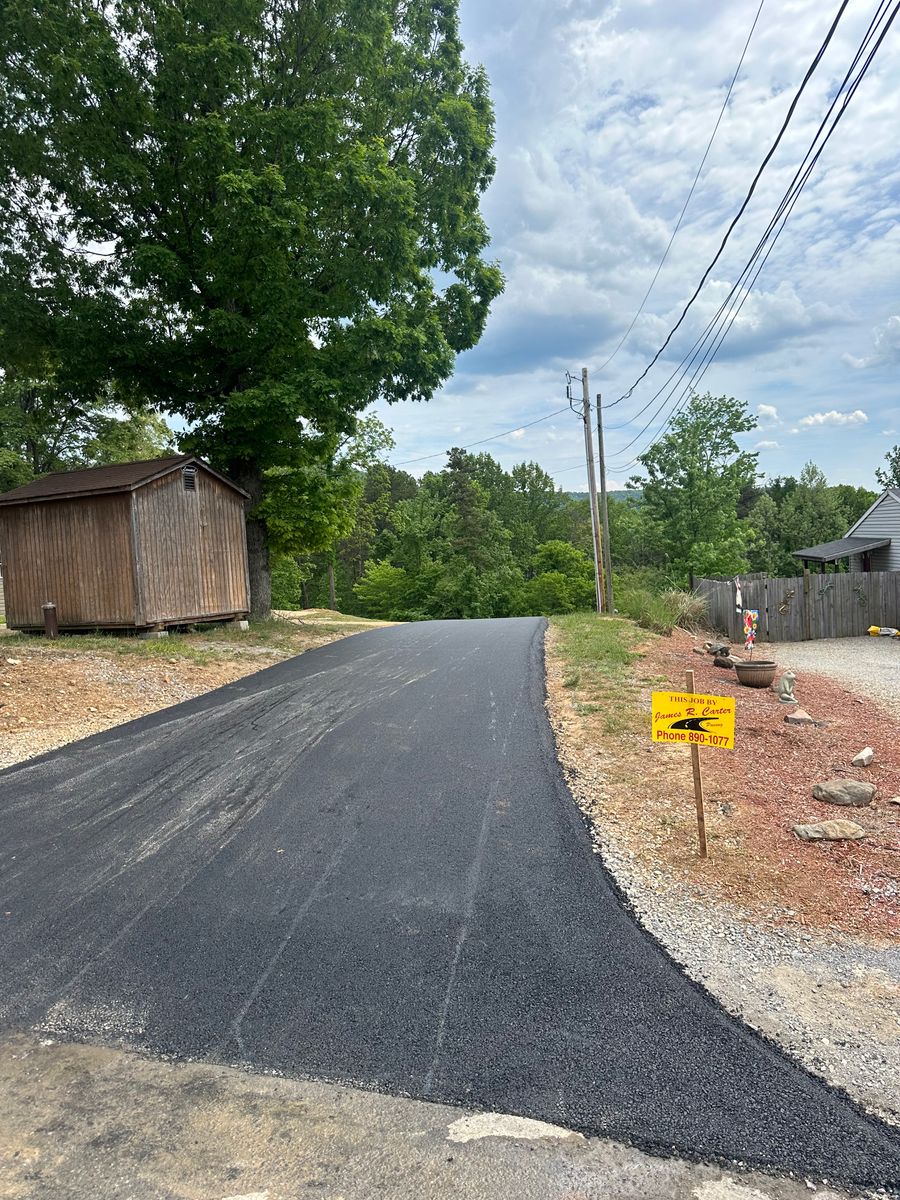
{"x":603,"y":113}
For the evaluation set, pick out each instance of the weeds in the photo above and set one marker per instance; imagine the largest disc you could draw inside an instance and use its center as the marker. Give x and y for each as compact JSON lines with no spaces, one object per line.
{"x":661,"y":612}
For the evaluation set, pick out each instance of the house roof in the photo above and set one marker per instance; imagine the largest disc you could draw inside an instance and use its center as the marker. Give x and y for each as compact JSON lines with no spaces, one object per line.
{"x":890,"y":494}
{"x":92,"y":481}
{"x":832,"y":551}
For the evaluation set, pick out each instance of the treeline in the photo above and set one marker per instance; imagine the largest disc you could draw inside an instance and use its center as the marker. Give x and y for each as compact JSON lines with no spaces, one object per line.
{"x":474,"y":540}
{"x":471,"y":540}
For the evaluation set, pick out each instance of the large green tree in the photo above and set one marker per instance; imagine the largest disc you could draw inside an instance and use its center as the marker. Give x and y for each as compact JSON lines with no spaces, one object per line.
{"x":692,"y":481}
{"x":262,"y":215}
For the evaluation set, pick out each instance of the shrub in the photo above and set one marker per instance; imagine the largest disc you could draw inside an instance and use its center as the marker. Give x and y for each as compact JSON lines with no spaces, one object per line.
{"x":549,"y":593}
{"x":662,"y":611}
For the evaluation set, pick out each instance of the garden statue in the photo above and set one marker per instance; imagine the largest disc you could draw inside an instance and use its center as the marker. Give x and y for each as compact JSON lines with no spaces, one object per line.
{"x":784,"y":689}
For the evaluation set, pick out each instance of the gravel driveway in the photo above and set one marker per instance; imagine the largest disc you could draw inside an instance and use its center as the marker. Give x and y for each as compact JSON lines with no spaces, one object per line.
{"x":869,"y":664}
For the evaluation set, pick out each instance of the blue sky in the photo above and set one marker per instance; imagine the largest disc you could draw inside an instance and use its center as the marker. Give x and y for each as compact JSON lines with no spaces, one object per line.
{"x":603,"y":113}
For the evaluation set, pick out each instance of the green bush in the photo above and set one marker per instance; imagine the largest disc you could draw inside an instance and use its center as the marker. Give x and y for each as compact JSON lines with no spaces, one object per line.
{"x":549,"y":593}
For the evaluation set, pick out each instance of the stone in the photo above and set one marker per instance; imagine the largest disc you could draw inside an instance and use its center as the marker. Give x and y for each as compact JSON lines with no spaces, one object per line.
{"x":864,"y":758}
{"x":829,"y":831}
{"x":845,"y":791}
{"x":784,"y":689}
{"x":723,"y":660}
{"x":799,"y":717}
{"x":699,"y":650}
{"x":14,"y":662}
{"x":718,"y":648}
{"x":894,"y":800}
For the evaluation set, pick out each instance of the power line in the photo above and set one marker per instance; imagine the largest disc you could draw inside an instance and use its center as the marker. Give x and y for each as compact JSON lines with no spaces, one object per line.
{"x":844,"y":94}
{"x":690,"y":194}
{"x":744,"y":204}
{"x":493,"y":438}
{"x":777,"y":223}
{"x":798,"y":182}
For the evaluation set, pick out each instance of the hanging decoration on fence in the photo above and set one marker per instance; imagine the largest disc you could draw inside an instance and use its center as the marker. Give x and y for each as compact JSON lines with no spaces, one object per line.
{"x":751,"y":624}
{"x":738,"y":598}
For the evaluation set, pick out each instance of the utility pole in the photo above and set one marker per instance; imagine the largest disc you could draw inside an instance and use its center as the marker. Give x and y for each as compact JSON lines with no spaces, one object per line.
{"x":592,"y":487}
{"x":604,"y":509}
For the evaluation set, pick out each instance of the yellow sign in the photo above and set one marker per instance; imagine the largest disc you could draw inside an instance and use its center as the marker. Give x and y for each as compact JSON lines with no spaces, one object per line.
{"x":693,"y":719}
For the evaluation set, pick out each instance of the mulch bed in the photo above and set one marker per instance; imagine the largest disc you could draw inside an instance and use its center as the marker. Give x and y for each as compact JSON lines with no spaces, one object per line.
{"x":757,"y":792}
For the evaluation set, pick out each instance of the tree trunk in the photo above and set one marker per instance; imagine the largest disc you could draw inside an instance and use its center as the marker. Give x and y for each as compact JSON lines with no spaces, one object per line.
{"x":332,"y":601}
{"x":250,"y":479}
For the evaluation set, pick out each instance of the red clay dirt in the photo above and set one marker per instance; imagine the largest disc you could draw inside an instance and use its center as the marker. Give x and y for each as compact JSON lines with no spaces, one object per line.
{"x":641,"y":795}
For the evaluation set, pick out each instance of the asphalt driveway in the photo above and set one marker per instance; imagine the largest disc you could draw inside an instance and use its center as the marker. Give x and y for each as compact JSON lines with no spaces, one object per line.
{"x":363,"y":865}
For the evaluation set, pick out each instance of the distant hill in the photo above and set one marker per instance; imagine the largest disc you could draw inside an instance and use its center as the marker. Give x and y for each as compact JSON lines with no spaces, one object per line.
{"x":618,"y":493}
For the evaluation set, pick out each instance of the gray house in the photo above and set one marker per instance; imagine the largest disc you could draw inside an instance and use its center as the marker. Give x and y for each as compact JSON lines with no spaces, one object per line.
{"x":872,"y":544}
{"x":882,"y":521}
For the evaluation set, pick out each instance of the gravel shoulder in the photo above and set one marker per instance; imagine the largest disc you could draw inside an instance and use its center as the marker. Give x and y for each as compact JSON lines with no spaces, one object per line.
{"x":829,"y":997}
{"x":53,"y":693}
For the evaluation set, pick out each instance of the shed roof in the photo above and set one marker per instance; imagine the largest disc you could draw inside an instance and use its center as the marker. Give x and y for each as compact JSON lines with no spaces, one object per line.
{"x":118,"y":477}
{"x":832,"y":551}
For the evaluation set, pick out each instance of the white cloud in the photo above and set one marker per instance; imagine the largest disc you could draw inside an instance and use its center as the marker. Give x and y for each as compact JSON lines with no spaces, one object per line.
{"x":590,"y":179}
{"x":887,"y":346}
{"x":517,"y":433}
{"x":766,"y":446}
{"x":857,"y":417}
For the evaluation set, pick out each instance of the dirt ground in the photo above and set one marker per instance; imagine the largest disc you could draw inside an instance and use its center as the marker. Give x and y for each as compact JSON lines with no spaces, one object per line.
{"x":641,"y":793}
{"x":54,"y":693}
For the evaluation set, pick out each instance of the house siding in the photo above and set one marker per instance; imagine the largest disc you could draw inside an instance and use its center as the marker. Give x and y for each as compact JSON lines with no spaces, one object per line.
{"x":882,"y":521}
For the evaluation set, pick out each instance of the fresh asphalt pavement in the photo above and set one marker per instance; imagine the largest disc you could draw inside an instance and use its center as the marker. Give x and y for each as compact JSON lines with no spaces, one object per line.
{"x":362,"y":865}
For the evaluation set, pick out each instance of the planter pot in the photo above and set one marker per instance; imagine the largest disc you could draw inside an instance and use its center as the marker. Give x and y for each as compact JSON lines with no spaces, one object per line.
{"x":759,"y":673}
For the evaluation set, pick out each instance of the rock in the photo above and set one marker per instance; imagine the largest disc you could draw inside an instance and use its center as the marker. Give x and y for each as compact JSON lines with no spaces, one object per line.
{"x":846,"y":792}
{"x":829,"y":831}
{"x":864,"y":758}
{"x":723,"y":660}
{"x":799,"y":717}
{"x":894,"y":800}
{"x":718,"y":648}
{"x":699,"y":650}
{"x":14,"y":662}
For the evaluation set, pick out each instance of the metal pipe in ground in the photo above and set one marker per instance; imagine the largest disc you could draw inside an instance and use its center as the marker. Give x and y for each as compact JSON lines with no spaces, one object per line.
{"x":51,"y":621}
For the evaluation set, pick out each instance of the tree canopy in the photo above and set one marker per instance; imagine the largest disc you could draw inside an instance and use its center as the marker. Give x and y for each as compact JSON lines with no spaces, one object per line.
{"x":43,"y":429}
{"x":692,"y":481}
{"x":260,"y":215}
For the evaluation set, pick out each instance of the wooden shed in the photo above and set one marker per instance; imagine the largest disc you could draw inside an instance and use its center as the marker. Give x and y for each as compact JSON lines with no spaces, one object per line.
{"x":135,"y":545}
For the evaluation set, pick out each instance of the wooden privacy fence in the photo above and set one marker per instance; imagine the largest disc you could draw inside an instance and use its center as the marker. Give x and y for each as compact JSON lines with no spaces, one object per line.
{"x":804,"y":607}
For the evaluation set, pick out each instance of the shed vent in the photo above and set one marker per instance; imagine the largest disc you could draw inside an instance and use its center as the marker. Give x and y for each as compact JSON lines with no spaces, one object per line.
{"x":189,"y":476}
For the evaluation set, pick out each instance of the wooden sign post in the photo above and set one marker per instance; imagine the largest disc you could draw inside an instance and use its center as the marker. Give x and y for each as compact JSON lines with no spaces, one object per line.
{"x":694,"y":720}
{"x":698,"y":778}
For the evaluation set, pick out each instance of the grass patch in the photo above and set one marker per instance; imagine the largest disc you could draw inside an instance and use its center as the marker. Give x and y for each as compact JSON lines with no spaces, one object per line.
{"x":595,"y":648}
{"x":205,"y":643}
{"x":598,"y":653}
